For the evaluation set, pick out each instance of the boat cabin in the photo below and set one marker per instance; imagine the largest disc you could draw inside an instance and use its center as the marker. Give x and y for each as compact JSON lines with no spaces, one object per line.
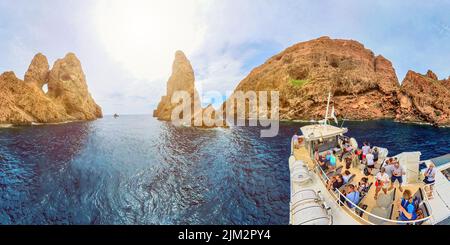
{"x":321,"y":136}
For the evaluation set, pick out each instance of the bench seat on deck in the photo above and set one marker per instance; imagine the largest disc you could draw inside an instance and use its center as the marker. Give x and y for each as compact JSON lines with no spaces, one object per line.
{"x":384,"y":208}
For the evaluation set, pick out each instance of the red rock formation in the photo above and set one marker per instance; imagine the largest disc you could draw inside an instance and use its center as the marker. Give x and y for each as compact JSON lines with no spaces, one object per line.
{"x":182,"y":79}
{"x":364,"y":85}
{"x":24,"y":102}
{"x":67,"y":86}
{"x":38,"y":70}
{"x":432,"y":75}
{"x":424,"y":99}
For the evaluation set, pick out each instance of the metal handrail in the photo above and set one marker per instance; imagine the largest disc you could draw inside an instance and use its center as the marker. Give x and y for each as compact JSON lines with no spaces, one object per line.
{"x":364,"y":211}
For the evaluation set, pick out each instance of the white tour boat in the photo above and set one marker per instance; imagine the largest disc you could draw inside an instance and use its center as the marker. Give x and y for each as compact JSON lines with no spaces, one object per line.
{"x":312,"y":203}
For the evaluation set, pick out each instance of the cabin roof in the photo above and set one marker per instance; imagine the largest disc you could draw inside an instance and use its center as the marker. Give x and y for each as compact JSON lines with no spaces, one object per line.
{"x":317,"y":131}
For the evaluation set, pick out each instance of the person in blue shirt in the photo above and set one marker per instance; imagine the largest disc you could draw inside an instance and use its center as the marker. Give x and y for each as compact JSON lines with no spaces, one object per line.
{"x":330,"y":160}
{"x":328,"y":157}
{"x":352,"y":195}
{"x":406,"y":208}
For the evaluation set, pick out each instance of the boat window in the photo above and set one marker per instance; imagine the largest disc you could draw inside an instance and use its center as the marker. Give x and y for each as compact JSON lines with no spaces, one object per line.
{"x":327,"y":144}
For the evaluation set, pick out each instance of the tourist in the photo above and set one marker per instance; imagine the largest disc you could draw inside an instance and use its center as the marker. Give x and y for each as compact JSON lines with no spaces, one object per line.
{"x":420,"y":214}
{"x":335,"y":182}
{"x":333,"y":160}
{"x":339,"y":182}
{"x":347,"y":149}
{"x":363,"y":185}
{"x":389,"y":161}
{"x":327,"y":157}
{"x":346,"y":176}
{"x":358,"y":153}
{"x":316,"y":154}
{"x":406,"y":207}
{"x":395,"y":160}
{"x":295,"y":140}
{"x":365,"y":150}
{"x":348,"y":162}
{"x":323,"y":165}
{"x":370,"y":161}
{"x":382,"y":181}
{"x":376,"y":154}
{"x":388,"y":166}
{"x":397,"y":175}
{"x":352,"y":196}
{"x":320,"y":160}
{"x":430,"y":174}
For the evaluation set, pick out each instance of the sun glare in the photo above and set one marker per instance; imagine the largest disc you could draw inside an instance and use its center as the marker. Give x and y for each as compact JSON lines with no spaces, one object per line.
{"x":143,"y":35}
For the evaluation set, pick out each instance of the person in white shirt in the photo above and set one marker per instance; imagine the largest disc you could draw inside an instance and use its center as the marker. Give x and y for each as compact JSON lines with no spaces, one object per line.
{"x":363,"y":185}
{"x":365,"y":149}
{"x":430,"y":175}
{"x":382,"y":181}
{"x":389,"y":165}
{"x":397,"y":175}
{"x":370,"y":161}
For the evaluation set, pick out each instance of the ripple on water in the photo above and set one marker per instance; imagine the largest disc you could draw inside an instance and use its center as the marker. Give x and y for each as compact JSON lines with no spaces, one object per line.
{"x":136,"y":170}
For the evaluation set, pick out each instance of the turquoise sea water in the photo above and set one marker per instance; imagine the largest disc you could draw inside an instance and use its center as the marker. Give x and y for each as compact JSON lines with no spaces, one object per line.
{"x":137,"y":170}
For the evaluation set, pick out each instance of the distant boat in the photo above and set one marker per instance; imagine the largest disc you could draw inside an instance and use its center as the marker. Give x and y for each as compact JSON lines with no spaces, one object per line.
{"x":116,"y":115}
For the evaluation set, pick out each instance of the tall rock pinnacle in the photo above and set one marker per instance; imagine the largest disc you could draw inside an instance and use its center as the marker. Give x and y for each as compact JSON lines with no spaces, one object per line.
{"x":38,"y":70}
{"x":67,"y":85}
{"x":182,"y":79}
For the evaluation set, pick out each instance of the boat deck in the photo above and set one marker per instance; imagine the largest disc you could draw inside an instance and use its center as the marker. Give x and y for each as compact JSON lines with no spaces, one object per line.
{"x":368,"y":201}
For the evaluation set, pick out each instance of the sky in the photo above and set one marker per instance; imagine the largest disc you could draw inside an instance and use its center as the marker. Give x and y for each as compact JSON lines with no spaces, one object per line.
{"x":127,"y":47}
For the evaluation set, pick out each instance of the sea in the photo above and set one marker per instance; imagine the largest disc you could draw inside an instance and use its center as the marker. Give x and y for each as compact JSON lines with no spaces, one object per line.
{"x":138,"y":170}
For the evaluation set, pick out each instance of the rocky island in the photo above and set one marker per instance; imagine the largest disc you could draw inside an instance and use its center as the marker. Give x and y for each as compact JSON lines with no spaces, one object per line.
{"x":24,"y":102}
{"x":364,"y":85}
{"x":183,"y":79}
{"x":424,"y":98}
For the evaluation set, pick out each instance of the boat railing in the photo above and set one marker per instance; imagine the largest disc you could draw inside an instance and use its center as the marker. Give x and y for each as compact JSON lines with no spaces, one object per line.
{"x":339,"y":196}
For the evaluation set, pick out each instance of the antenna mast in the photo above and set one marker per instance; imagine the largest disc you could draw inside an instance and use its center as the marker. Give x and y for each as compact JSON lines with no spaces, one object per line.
{"x":328,"y":107}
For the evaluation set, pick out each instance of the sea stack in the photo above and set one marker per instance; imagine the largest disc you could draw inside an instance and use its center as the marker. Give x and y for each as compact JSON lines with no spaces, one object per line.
{"x":24,"y":102}
{"x":183,"y":80}
{"x":67,"y":86}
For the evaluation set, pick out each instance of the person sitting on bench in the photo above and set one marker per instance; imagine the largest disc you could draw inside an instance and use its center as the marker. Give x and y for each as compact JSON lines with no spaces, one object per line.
{"x":335,"y":182}
{"x":406,"y":207}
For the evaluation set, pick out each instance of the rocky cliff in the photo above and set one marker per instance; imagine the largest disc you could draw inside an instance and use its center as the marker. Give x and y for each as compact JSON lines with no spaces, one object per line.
{"x":364,"y":86}
{"x":424,"y":98}
{"x":181,"y":79}
{"x":23,"y":102}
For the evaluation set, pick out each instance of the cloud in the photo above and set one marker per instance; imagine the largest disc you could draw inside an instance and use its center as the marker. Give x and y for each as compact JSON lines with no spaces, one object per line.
{"x":127,"y":47}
